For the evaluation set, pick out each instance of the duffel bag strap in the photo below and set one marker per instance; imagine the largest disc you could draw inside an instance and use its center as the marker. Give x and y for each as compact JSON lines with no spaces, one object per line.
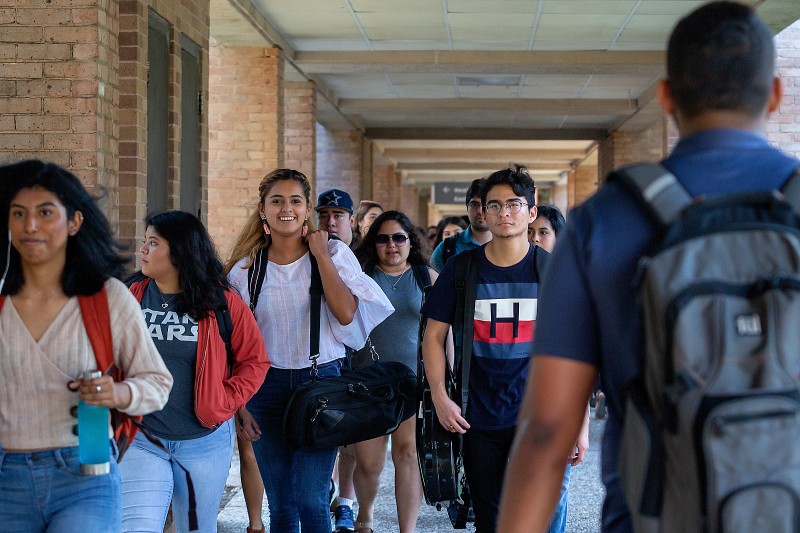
{"x":316,"y":292}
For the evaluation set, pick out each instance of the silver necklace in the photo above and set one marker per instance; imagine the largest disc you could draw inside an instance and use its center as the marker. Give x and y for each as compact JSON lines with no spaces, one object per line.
{"x":397,"y":281}
{"x":165,"y":301}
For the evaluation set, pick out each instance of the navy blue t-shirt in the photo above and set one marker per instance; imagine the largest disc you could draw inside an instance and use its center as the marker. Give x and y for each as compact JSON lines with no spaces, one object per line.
{"x":588,"y":310}
{"x":505,"y":319}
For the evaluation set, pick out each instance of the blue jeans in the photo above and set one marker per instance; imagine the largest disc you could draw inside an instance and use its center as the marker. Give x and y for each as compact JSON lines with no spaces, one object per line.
{"x":45,"y":491}
{"x":150,"y":480}
{"x":485,"y":458}
{"x":559,"y":522}
{"x":296,"y":481}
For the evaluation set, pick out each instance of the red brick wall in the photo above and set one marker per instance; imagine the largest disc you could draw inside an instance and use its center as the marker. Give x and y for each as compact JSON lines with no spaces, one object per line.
{"x":383,"y":183}
{"x":191,"y":19}
{"x":299,"y":135}
{"x":59,"y":86}
{"x":623,"y":148}
{"x":582,"y":184}
{"x":246,"y":124}
{"x":783,"y":128}
{"x":340,"y":160}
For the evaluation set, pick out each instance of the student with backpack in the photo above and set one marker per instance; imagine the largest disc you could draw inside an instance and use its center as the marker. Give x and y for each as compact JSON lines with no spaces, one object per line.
{"x":185,"y":299}
{"x":476,"y":234}
{"x":507,"y":286}
{"x":61,"y":301}
{"x":392,"y":253}
{"x":720,"y":90}
{"x":271,"y":268}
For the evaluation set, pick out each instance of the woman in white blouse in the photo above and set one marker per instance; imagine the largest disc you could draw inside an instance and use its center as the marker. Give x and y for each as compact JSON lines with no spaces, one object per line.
{"x":297,"y":482}
{"x":61,"y":248}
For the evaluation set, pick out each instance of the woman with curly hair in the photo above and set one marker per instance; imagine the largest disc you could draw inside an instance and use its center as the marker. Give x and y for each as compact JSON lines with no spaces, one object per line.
{"x":394,"y":254}
{"x":182,"y":288}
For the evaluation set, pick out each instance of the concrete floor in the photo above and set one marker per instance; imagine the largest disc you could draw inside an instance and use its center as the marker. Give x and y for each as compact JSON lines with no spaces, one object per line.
{"x":585,"y":499}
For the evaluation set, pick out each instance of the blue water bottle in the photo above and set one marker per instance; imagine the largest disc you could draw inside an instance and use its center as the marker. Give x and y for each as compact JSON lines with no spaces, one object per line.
{"x":94,"y":449}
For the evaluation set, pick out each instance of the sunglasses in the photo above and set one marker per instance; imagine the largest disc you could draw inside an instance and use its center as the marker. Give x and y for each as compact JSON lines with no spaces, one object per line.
{"x":398,"y":238}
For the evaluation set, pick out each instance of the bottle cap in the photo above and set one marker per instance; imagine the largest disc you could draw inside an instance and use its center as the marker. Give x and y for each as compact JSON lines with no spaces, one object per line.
{"x":92,"y":374}
{"x":95,"y":469}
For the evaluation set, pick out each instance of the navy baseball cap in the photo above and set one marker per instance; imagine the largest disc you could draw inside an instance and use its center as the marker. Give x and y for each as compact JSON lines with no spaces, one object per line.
{"x":335,"y":198}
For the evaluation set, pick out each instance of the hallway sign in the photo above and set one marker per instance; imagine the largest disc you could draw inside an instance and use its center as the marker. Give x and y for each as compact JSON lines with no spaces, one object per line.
{"x":450,"y":192}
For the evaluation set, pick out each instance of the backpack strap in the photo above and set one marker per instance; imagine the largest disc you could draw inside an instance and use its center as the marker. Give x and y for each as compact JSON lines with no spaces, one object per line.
{"x":421,"y":275}
{"x":255,"y":277}
{"x":449,"y":248}
{"x":791,"y":190}
{"x":466,"y":274}
{"x":541,"y":257}
{"x":659,"y":190}
{"x":225,"y":325}
{"x":316,"y":292}
{"x":97,"y":321}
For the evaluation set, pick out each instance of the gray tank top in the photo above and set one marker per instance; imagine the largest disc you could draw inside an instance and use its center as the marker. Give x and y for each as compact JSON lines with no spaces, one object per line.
{"x":395,"y":339}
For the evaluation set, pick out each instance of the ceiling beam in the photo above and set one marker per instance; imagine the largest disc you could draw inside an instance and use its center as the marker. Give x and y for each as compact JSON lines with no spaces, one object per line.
{"x":487,"y":134}
{"x":486,"y":156}
{"x":563,"y":106}
{"x":461,"y":168}
{"x":259,"y":21}
{"x":483,"y":62}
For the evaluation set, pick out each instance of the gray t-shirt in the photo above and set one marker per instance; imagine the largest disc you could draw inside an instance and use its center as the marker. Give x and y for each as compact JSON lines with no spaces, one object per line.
{"x":395,"y":339}
{"x":175,"y":337}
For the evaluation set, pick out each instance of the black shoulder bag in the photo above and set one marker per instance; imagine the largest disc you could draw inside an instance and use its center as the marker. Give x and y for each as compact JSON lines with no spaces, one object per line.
{"x":325,"y":412}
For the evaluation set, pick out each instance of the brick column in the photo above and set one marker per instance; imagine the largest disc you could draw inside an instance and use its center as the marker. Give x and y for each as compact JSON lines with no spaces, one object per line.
{"x":300,"y":122}
{"x":783,"y":128}
{"x":623,"y":148}
{"x":340,"y":160}
{"x":582,"y":184}
{"x":409,"y":204}
{"x":383,"y":182}
{"x":59,"y":87}
{"x":246,"y":127}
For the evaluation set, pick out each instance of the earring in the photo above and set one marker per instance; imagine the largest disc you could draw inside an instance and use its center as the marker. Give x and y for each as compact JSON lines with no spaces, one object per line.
{"x":264,"y":225}
{"x":305,"y":230}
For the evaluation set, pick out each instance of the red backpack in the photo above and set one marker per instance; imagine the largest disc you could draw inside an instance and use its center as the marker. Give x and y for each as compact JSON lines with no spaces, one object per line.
{"x":97,"y":321}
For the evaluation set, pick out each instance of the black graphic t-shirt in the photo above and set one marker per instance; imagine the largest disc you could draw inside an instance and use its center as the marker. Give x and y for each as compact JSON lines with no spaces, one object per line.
{"x":175,"y":336}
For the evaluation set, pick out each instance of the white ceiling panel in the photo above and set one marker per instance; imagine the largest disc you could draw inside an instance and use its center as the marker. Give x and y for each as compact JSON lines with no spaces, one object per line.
{"x":386,"y":64}
{"x":516,"y":7}
{"x":390,"y":6}
{"x":391,"y":32}
{"x":581,"y":7}
{"x":341,"y":45}
{"x":676,"y":8}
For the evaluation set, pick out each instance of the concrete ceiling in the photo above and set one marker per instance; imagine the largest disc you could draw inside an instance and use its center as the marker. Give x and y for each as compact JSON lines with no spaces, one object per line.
{"x":452,"y":89}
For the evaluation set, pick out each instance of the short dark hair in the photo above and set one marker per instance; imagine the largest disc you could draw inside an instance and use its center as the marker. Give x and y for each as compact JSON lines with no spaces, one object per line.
{"x":475,"y":189}
{"x":93,"y":254}
{"x":517,"y":177}
{"x":367,"y":255}
{"x":721,"y":57}
{"x":201,"y":274}
{"x":553,"y":215}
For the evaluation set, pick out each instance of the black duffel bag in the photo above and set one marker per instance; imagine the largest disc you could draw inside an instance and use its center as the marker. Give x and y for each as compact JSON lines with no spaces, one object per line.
{"x":326,"y":412}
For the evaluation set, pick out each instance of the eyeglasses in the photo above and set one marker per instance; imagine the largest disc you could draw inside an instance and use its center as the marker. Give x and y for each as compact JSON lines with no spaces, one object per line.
{"x":398,"y":238}
{"x":513,"y":207}
{"x":474,"y":205}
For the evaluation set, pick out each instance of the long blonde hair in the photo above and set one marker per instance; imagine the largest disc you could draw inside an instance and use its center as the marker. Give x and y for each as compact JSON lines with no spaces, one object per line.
{"x":252,"y":237}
